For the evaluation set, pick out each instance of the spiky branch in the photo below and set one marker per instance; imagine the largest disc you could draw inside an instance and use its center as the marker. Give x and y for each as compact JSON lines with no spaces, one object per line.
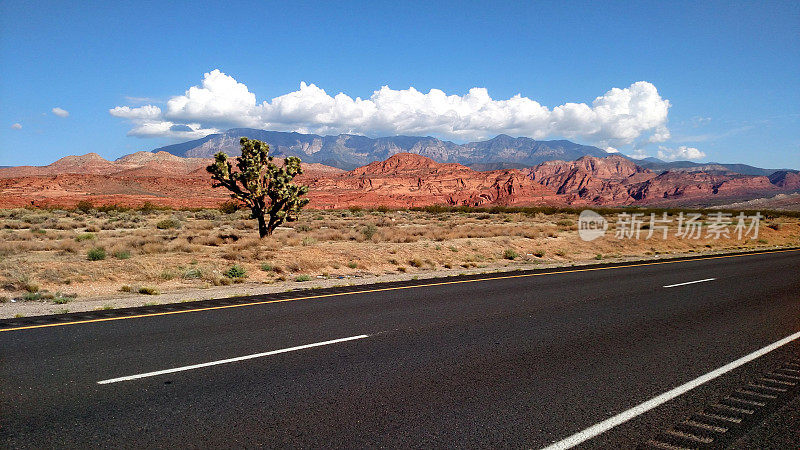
{"x":261,"y":185}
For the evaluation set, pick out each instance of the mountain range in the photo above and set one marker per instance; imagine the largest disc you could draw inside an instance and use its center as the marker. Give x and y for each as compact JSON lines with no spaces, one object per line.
{"x":402,"y":180}
{"x":347,"y":151}
{"x":401,"y":171}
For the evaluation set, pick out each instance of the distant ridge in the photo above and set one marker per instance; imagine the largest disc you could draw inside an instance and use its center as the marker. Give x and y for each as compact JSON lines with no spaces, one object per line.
{"x":347,"y":151}
{"x":657,"y":165}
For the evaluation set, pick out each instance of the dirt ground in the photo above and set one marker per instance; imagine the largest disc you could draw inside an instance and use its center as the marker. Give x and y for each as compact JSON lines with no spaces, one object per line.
{"x":56,"y":261}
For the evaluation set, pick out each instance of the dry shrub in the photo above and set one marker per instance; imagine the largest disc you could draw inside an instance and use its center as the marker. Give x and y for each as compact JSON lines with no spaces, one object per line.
{"x":330,"y":235}
{"x":209,"y":240}
{"x":68,"y":246}
{"x":340,"y":240}
{"x":7,"y":249}
{"x":153,"y":248}
{"x":182,"y":245}
{"x":65,"y":225}
{"x":200,"y":225}
{"x":242,"y":225}
{"x":232,"y":255}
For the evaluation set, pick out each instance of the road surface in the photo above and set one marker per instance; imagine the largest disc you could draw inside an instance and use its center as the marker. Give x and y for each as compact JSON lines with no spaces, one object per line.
{"x":521,"y":360}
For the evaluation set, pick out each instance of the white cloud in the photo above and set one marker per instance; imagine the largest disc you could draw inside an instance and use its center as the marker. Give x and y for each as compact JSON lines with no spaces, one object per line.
{"x":618,"y":117}
{"x":661,"y":134}
{"x":147,"y":112}
{"x":221,"y":99}
{"x":170,"y":129}
{"x":639,"y":153}
{"x":148,"y":122}
{"x":682,"y":153}
{"x":60,"y":112}
{"x":611,"y":150}
{"x":16,"y":126}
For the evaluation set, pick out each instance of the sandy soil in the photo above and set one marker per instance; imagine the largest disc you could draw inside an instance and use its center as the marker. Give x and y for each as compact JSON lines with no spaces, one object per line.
{"x":47,"y":266}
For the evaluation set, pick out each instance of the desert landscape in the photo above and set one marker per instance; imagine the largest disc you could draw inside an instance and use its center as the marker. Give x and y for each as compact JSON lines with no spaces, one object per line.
{"x":403,"y":180}
{"x":88,"y":233}
{"x":537,"y":225}
{"x":101,"y":257}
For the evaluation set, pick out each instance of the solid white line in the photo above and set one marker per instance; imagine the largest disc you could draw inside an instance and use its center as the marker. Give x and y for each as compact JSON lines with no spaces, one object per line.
{"x":230,"y":360}
{"x":689,"y":282}
{"x":642,"y":408}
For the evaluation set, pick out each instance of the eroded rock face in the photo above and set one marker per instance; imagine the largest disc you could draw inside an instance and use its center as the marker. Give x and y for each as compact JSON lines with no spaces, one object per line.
{"x":406,"y":180}
{"x":698,"y":185}
{"x":592,"y":180}
{"x":785,"y":179}
{"x":402,"y":180}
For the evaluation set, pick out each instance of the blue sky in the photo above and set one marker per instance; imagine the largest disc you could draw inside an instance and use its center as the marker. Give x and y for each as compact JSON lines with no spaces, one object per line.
{"x":729,"y":72}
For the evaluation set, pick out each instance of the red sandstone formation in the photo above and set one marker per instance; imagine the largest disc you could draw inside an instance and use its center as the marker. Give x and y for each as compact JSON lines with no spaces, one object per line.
{"x":403,"y":180}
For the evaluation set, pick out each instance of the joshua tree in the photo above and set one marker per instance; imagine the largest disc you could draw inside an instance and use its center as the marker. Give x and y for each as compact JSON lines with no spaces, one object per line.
{"x":261,"y":185}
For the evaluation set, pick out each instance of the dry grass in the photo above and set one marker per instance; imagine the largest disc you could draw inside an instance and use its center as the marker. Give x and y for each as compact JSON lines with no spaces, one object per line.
{"x":162,"y":250}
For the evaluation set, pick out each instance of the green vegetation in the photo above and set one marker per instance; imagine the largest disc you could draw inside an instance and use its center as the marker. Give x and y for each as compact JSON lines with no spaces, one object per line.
{"x":60,"y":299}
{"x":235,"y":271}
{"x":369,"y":231}
{"x":168,"y":224}
{"x":167,"y":275}
{"x":302,"y":278}
{"x":192,"y":274}
{"x":96,"y":254}
{"x":32,"y":296}
{"x":265,"y":188}
{"x":122,"y":254}
{"x":148,"y":290}
{"x":84,"y":237}
{"x":229,"y":207}
{"x":510,"y":253}
{"x":84,"y":206}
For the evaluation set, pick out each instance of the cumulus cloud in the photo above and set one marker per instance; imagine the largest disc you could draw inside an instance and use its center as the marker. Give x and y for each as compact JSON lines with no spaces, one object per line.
{"x":147,"y":112}
{"x":618,"y":117}
{"x":149,"y":121}
{"x":220,"y":99}
{"x":660,"y":134}
{"x":60,"y":112}
{"x":16,"y":126}
{"x":681,"y":153}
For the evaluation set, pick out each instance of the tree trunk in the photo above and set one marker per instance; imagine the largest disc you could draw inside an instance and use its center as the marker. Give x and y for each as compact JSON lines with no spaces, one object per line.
{"x":262,"y":226}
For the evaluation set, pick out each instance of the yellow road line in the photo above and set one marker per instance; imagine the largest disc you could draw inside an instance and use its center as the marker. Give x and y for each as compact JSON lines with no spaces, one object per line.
{"x":366,"y":291}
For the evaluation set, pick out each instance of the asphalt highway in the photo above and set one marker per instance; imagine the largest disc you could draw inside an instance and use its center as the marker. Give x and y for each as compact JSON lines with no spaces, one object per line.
{"x":520,"y":361}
